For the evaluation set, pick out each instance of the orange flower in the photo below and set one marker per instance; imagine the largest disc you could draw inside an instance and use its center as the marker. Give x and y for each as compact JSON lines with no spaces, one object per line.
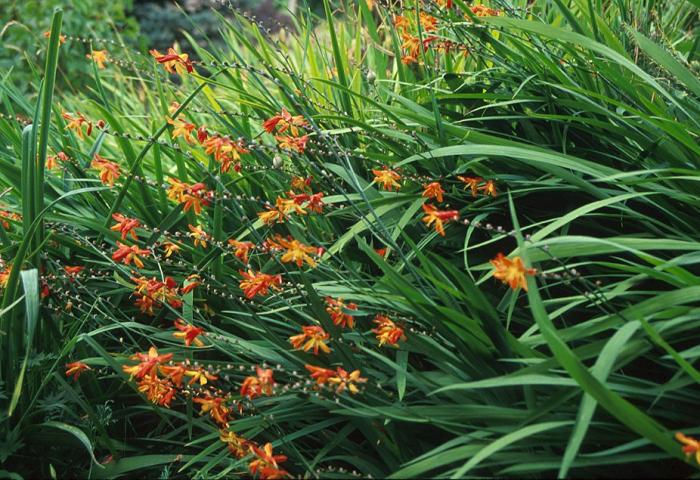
{"x":321,"y":375}
{"x":388,"y":178}
{"x":315,"y":203}
{"x":387,"y":331}
{"x":489,"y":188}
{"x":297,"y":252}
{"x":192,"y":196}
{"x":237,"y":445}
{"x":52,"y":161}
{"x":511,"y":272}
{"x":109,"y":171}
{"x":174,"y":62}
{"x":273,"y":214}
{"x":182,"y":128}
{"x":99,"y":57}
{"x":256,"y":386}
{"x":241,"y":249}
{"x":224,"y":149}
{"x":76,"y":369}
{"x":158,"y":390}
{"x":193,"y":282}
{"x":438,"y":217}
{"x":293,"y":204}
{"x":258,"y":283}
{"x":200,"y":375}
{"x":311,"y":337}
{"x":153,"y":292}
{"x":690,"y":446}
{"x":216,"y":407}
{"x":266,"y":464}
{"x":433,"y":190}
{"x":472,"y":183}
{"x":345,"y":380}
{"x":126,"y":254}
{"x":170,"y":248}
{"x":5,"y":216}
{"x":73,"y":270}
{"x":125,"y":225}
{"x":61,"y":38}
{"x":295,"y":144}
{"x":188,"y":333}
{"x":484,"y":11}
{"x":76,"y":123}
{"x":428,"y":22}
{"x":401,"y":23}
{"x":285,"y":121}
{"x":300,"y":183}
{"x":174,"y":372}
{"x":5,"y":276}
{"x":336,"y":308}
{"x":148,"y":363}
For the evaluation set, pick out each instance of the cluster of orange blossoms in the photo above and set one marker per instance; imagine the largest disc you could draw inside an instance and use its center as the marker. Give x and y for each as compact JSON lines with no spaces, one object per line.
{"x":286,"y":129}
{"x":53,"y":161}
{"x":296,"y":203}
{"x":153,"y":293}
{"x":173,"y":62}
{"x":109,"y":171}
{"x":194,"y":197}
{"x":511,"y":272}
{"x":6,"y":215}
{"x":100,"y":57}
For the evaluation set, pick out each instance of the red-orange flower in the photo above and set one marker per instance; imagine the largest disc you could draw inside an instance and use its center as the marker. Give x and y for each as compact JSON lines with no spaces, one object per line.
{"x":691,"y":446}
{"x":182,"y":128}
{"x":126,"y":254}
{"x":173,"y":62}
{"x":285,"y":121}
{"x":241,"y":249}
{"x":256,"y":386}
{"x":73,"y":270}
{"x":484,"y":11}
{"x":312,"y":337}
{"x":321,"y":375}
{"x":148,"y":363}
{"x":433,"y":190}
{"x":52,"y":161}
{"x":438,"y":217}
{"x":174,"y":372}
{"x":387,"y":331}
{"x":266,"y":463}
{"x":61,"y":38}
{"x":76,"y":369}
{"x":511,"y":272}
{"x":109,"y":171}
{"x":188,"y":333}
{"x":125,"y":225}
{"x":258,"y":283}
{"x":200,"y":375}
{"x":389,"y":179}
{"x":336,"y":308}
{"x":77,"y":123}
{"x":489,"y":188}
{"x":216,"y":407}
{"x":237,"y":445}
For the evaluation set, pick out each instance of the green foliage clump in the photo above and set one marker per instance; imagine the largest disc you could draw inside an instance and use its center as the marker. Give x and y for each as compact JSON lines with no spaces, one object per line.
{"x":504,"y":196}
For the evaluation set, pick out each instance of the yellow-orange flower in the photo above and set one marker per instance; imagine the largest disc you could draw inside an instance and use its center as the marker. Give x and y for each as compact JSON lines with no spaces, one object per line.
{"x":387,"y":331}
{"x":321,"y":375}
{"x":471,"y":183}
{"x":511,"y":272}
{"x":99,"y":57}
{"x":489,"y":188}
{"x":483,"y":11}
{"x":312,"y":337}
{"x":158,"y":390}
{"x":295,"y":144}
{"x":691,"y":446}
{"x":170,"y":248}
{"x":237,"y":445}
{"x":5,"y":276}
{"x":200,"y":236}
{"x":436,"y":217}
{"x":285,"y":121}
{"x":433,"y":190}
{"x":389,"y":179}
{"x":345,"y":380}
{"x":200,"y":375}
{"x":61,"y":38}
{"x":77,"y":123}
